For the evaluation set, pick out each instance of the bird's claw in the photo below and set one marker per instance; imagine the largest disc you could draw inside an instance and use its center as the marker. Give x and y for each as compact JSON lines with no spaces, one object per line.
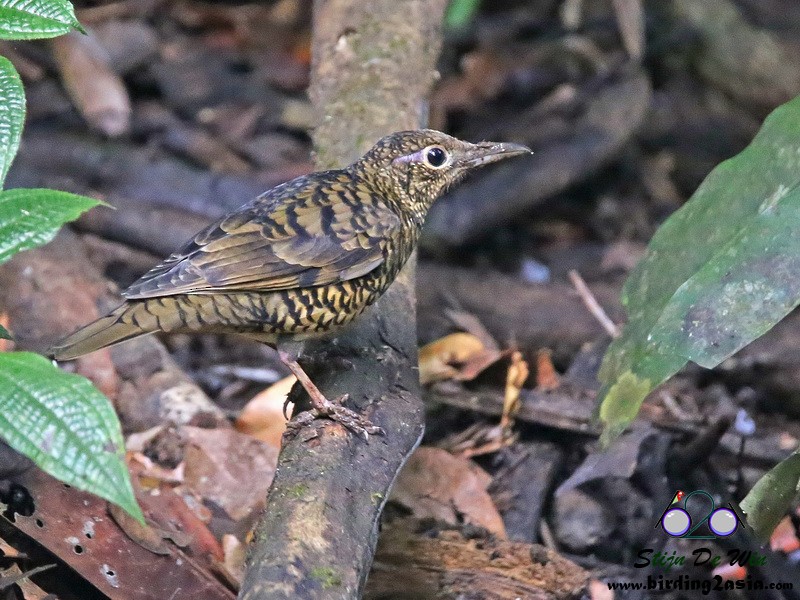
{"x":334,"y":411}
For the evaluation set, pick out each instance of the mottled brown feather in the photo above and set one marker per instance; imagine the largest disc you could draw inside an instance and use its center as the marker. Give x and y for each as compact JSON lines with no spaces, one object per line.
{"x":318,"y":233}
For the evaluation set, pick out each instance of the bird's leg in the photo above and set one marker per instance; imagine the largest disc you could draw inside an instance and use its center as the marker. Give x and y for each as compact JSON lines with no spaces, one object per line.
{"x":323,"y":407}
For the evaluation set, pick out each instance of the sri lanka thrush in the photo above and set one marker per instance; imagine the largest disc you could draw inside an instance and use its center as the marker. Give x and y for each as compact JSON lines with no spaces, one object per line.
{"x":302,"y":259}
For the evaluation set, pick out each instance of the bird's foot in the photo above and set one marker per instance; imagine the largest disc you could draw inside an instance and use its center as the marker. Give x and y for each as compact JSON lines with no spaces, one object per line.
{"x":334,"y":411}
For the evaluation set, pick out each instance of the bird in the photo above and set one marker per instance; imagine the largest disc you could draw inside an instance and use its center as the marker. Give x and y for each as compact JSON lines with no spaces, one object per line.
{"x":301,"y":260}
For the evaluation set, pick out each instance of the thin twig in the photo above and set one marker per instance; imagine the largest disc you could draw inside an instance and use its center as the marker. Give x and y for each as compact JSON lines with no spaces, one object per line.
{"x":592,"y":305}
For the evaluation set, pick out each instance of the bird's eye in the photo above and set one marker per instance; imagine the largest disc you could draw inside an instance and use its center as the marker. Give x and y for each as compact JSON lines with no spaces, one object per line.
{"x":435,"y":156}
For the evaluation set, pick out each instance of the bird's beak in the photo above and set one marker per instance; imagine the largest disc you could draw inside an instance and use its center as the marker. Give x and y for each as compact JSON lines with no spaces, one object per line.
{"x":485,"y":153}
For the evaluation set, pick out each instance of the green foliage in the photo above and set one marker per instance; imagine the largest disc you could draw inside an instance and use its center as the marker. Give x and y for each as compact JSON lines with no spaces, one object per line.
{"x":12,"y":115}
{"x":772,"y":496}
{"x":719,"y":273}
{"x":4,"y":335}
{"x":59,"y":420}
{"x":30,"y":218}
{"x":36,"y":19}
{"x":65,"y":425}
{"x":460,"y":13}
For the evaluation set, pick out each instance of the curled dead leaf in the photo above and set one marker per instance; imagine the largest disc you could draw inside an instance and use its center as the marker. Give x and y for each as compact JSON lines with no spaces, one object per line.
{"x":262,"y":417}
{"x":230,"y":469}
{"x":517,"y":375}
{"x":147,"y":537}
{"x":436,"y":484}
{"x":460,"y":356}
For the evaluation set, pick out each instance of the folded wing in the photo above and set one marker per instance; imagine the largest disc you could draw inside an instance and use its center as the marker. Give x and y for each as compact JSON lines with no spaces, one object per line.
{"x":320,"y":234}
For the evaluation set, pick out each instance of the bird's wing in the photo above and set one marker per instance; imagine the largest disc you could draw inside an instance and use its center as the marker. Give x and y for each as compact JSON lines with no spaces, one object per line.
{"x":294,"y":236}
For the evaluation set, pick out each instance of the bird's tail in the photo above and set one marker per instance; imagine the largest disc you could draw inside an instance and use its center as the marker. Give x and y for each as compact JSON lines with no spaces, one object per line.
{"x":126,"y":322}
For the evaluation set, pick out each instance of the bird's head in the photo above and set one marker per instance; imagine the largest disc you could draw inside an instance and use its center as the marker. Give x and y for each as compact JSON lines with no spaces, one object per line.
{"x":415,"y":168}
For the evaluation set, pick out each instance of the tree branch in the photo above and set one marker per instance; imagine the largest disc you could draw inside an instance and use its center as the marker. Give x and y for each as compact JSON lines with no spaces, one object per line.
{"x":373,"y":65}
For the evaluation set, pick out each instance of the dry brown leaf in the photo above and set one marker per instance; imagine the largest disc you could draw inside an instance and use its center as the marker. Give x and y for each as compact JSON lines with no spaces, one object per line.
{"x":235,"y":554}
{"x":97,"y":92}
{"x":517,"y":375}
{"x":229,"y":468}
{"x":434,"y":483}
{"x":262,"y":417}
{"x":460,"y":356}
{"x":74,"y":526}
{"x":8,"y":551}
{"x":469,"y":322}
{"x":30,"y":591}
{"x":547,"y":377}
{"x":149,"y":538}
{"x":151,"y":475}
{"x":784,"y":538}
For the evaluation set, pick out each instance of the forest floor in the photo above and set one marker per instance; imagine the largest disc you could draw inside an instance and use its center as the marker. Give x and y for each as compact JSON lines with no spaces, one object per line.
{"x":178,"y":112}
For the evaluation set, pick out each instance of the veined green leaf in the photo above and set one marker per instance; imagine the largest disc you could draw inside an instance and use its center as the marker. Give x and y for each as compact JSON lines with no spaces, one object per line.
{"x":719,"y":272}
{"x":34,"y":19}
{"x":65,"y":425}
{"x":12,"y":115}
{"x":32,"y":217}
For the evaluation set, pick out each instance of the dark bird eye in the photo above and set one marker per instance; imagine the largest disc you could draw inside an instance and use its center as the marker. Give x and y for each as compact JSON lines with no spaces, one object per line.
{"x":435,"y":156}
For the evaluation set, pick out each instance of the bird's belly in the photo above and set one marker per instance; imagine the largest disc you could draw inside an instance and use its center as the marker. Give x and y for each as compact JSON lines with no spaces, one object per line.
{"x":303,"y":312}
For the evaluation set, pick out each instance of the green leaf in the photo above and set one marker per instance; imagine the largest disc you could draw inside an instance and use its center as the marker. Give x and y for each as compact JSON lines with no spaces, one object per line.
{"x":32,"y":217}
{"x":34,"y":19}
{"x":621,"y":404}
{"x":772,"y":495}
{"x":65,"y":425}
{"x":4,"y":335}
{"x":460,"y":13}
{"x":719,"y":273}
{"x":12,"y":115}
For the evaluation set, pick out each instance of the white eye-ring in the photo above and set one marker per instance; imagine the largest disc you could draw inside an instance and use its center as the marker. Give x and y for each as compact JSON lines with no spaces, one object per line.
{"x":435,"y":156}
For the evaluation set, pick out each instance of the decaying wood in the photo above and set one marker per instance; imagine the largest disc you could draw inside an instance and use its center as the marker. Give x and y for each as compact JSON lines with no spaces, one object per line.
{"x":373,"y":64}
{"x":412,"y":566}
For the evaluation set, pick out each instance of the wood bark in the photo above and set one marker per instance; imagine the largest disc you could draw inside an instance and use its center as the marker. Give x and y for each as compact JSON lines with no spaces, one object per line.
{"x":373,"y":64}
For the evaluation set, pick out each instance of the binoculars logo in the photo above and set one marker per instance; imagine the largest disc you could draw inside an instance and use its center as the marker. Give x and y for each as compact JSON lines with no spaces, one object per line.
{"x":719,"y":522}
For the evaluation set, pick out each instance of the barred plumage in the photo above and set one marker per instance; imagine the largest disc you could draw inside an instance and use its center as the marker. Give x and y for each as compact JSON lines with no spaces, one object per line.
{"x":302,"y":259}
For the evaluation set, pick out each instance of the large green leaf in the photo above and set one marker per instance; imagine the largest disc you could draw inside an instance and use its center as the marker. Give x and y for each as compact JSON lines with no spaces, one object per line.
{"x":65,"y":425}
{"x":772,"y":495}
{"x":720,"y":272}
{"x":33,"y":19}
{"x":12,"y":115}
{"x":32,"y":217}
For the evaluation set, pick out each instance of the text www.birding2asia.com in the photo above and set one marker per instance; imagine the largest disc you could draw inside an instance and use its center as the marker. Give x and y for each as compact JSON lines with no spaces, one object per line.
{"x":733,"y":569}
{"x":700,"y":557}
